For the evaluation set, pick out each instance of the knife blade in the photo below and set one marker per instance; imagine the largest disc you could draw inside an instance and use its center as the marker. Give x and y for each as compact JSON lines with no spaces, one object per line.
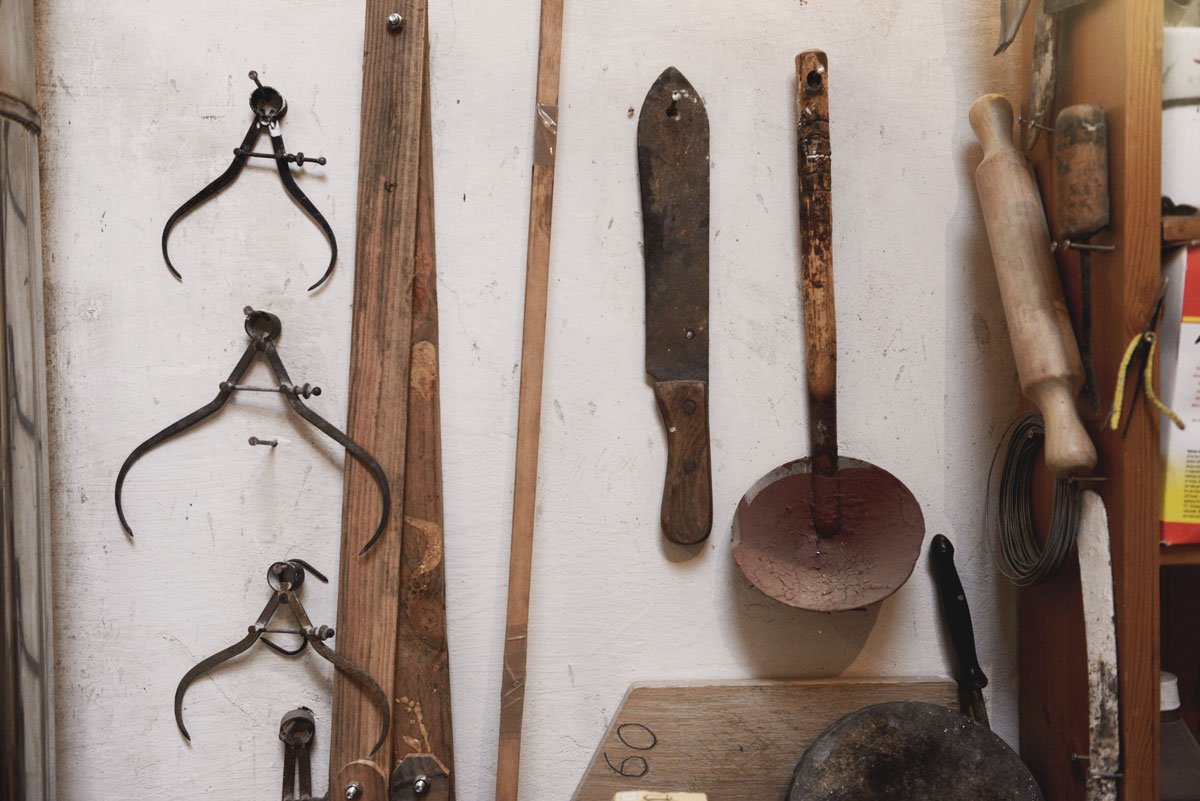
{"x":672,"y":146}
{"x":1011,"y":14}
{"x":969,"y":675}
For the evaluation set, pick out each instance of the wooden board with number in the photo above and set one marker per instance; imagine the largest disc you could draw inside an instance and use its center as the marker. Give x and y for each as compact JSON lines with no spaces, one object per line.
{"x":731,"y":740}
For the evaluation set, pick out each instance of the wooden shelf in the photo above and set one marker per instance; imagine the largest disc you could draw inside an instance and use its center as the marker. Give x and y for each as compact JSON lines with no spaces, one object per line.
{"x":1179,"y":555}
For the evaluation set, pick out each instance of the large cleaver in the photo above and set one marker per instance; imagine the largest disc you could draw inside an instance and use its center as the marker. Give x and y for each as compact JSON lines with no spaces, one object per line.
{"x":672,"y":143}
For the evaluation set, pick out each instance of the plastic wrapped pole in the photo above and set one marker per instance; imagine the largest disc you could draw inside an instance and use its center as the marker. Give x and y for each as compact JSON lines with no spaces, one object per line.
{"x":26,"y":663}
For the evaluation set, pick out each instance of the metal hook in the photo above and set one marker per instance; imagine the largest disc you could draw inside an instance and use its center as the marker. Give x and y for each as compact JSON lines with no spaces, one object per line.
{"x":264,"y":328}
{"x":269,"y":108}
{"x":285,"y":578}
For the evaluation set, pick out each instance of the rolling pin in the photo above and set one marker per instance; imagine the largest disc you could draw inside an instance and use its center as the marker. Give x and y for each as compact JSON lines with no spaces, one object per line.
{"x":1043,"y":343}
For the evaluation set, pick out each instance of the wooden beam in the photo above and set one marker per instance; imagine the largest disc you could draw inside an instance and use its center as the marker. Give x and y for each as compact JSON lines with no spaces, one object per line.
{"x":1114,"y":59}
{"x":368,"y":591}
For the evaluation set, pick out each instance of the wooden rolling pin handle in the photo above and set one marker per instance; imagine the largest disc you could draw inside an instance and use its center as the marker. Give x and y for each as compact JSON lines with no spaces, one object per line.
{"x":1068,"y":449}
{"x":992,"y":120}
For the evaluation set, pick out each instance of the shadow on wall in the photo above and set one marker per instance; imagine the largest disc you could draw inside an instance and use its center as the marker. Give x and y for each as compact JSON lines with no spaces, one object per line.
{"x":779,"y":641}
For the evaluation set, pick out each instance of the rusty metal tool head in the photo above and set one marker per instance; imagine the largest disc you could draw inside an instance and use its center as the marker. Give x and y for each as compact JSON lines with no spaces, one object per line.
{"x":263,"y":328}
{"x":672,"y":146}
{"x":285,"y":579}
{"x":296,"y":731}
{"x":827,"y":532}
{"x":269,"y":110}
{"x":911,"y":751}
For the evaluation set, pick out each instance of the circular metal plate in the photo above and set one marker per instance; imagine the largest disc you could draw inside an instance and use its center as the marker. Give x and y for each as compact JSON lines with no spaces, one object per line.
{"x":778,"y":549}
{"x":910,"y":751}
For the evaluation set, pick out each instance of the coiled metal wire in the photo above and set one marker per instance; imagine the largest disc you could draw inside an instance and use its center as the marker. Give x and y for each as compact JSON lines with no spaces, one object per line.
{"x":1021,"y":556}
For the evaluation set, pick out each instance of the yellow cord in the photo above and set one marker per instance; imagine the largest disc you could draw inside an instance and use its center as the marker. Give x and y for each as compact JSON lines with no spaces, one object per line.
{"x":1114,"y":417}
{"x":1149,"y":382}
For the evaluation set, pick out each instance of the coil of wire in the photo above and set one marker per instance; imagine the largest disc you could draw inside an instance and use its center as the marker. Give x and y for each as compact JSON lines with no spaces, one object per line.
{"x":1021,"y":556}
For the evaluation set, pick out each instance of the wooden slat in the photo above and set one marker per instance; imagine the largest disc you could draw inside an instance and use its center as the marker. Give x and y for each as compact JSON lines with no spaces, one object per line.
{"x":529,"y":407}
{"x":368,"y":593}
{"x":421,"y":694}
{"x":1180,"y":229}
{"x":1179,"y":555}
{"x":1114,"y":59}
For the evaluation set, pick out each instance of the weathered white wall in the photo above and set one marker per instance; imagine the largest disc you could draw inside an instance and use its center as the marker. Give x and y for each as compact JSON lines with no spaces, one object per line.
{"x":143,"y":102}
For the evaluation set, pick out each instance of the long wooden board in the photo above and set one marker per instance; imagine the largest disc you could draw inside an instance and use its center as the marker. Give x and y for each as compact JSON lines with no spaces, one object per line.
{"x":421,"y":690}
{"x":380,"y":349}
{"x":733,"y":741}
{"x":529,"y":404}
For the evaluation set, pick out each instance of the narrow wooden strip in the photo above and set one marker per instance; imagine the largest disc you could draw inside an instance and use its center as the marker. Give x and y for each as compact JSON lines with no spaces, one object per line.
{"x":368,"y":593}
{"x":1179,"y":555}
{"x":529,"y":407}
{"x":1180,"y":229}
{"x":421,"y":697}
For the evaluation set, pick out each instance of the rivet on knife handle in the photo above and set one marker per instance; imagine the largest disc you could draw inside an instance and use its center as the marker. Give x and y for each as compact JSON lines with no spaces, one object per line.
{"x":672,"y":143}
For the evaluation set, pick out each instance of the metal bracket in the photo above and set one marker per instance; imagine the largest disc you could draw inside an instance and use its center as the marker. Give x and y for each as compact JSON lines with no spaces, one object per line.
{"x":419,"y":777}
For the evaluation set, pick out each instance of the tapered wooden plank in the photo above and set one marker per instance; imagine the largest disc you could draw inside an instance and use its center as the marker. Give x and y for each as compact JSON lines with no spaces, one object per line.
{"x":421,"y":697}
{"x":368,"y":593}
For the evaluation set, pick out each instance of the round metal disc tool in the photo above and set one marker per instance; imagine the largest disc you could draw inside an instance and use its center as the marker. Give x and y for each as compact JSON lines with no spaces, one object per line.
{"x":910,"y":751}
{"x":777,"y":547}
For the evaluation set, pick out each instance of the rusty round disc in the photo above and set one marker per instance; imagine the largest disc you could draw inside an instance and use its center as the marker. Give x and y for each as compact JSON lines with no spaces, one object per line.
{"x":911,"y":751}
{"x":776,"y":545}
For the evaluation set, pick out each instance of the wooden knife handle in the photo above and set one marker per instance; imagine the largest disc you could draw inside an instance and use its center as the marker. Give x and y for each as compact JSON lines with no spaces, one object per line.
{"x":816,"y":251}
{"x":1043,"y":343}
{"x":687,"y":495}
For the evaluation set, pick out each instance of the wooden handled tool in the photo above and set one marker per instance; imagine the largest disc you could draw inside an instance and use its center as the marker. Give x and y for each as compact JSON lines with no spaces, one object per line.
{"x":1043,"y":343}
{"x":1081,"y":193}
{"x":672,"y":146}
{"x":828,"y":532}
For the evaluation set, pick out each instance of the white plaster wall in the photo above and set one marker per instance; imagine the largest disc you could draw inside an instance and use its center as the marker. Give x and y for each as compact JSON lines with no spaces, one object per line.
{"x":143,"y":102}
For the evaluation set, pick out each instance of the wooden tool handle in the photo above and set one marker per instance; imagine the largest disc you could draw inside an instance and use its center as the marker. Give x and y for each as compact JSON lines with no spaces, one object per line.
{"x":1047,"y":356}
{"x":1081,"y":171}
{"x":816,"y":249}
{"x":687,"y":494}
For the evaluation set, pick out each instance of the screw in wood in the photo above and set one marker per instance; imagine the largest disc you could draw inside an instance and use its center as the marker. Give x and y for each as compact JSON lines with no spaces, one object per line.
{"x":395,"y":22}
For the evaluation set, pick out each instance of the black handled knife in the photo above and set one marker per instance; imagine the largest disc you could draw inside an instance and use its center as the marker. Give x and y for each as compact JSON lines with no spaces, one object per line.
{"x":971,"y":680}
{"x":672,"y":143}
